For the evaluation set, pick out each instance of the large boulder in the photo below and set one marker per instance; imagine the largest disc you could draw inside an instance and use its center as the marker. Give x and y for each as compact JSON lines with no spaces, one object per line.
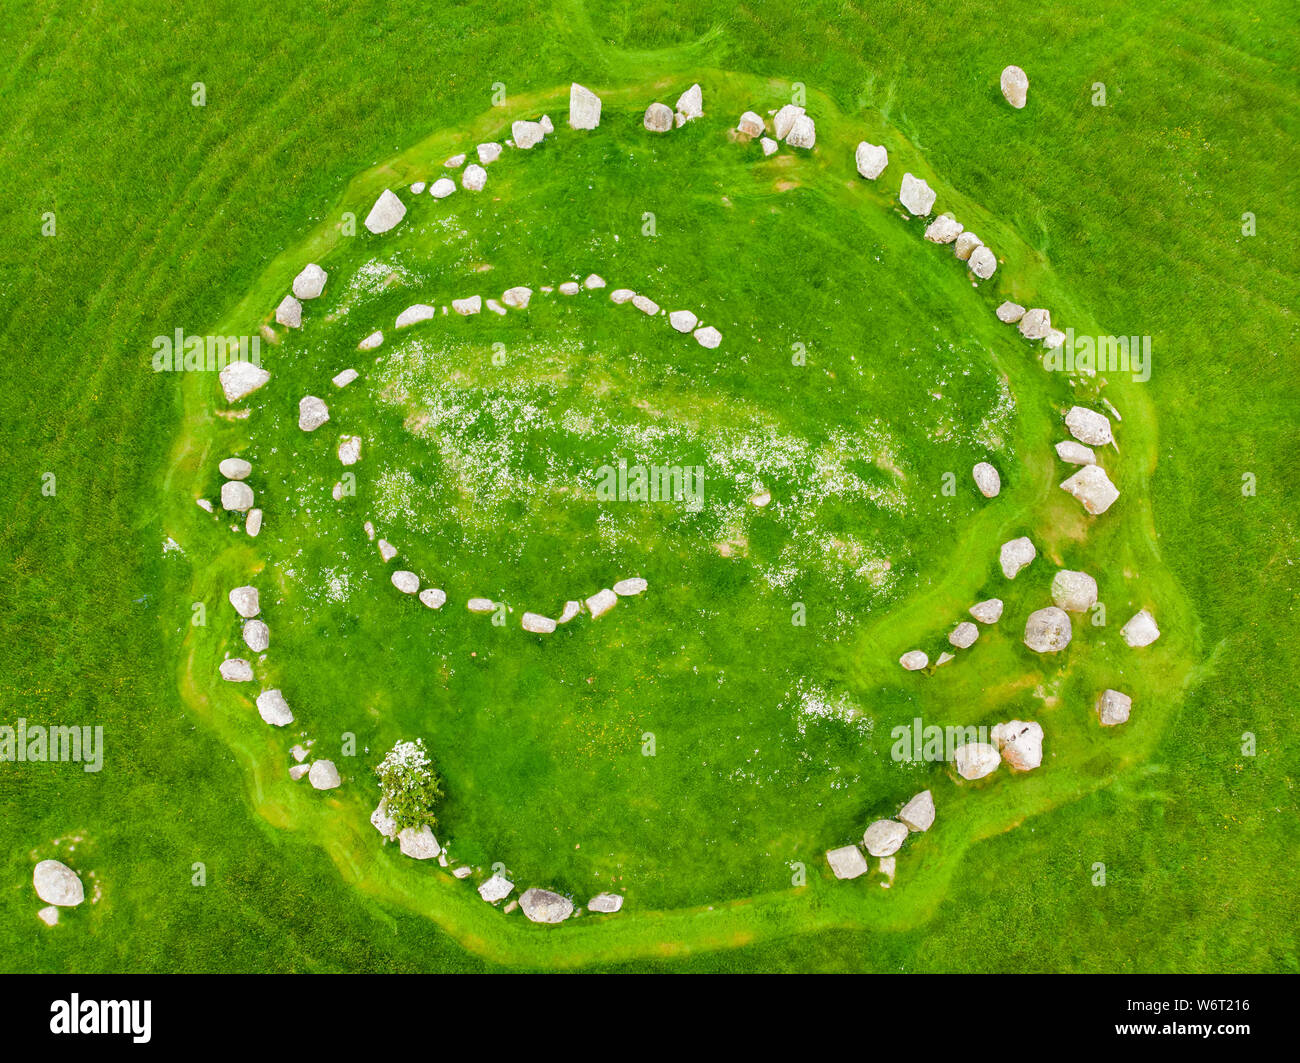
{"x":918,"y":813}
{"x":310,"y":282}
{"x":943,"y":230}
{"x":963,"y":636}
{"x":1088,"y":426}
{"x":1015,"y":86}
{"x":58,"y":884}
{"x":312,"y":413}
{"x":914,"y":660}
{"x":803,"y":134}
{"x":988,"y":611}
{"x":236,"y":670}
{"x":965,"y":244}
{"x":245,"y":601}
{"x":489,"y":153}
{"x":257,"y":636}
{"x":1021,"y":744}
{"x":768,"y":145}
{"x":605,"y":903}
{"x":658,"y":118}
{"x":236,"y":496}
{"x":1015,"y":555}
{"x":442,"y":188}
{"x":1113,"y":708}
{"x":1035,"y":323}
{"x":387,"y":212}
{"x":690,"y":104}
{"x":1048,"y":630}
{"x":383,"y":822}
{"x":871,"y":160}
{"x":324,"y":775}
{"x":847,"y":861}
{"x":987,"y":479}
{"x":1141,"y":630}
{"x":884,"y":837}
{"x":584,"y":107}
{"x":543,"y":906}
{"x":418,"y":843}
{"x":1091,"y":486}
{"x":916,"y":195}
{"x":272,"y":707}
{"x":1075,"y":592}
{"x":974,"y":760}
{"x":240,"y":379}
{"x":474,"y":179}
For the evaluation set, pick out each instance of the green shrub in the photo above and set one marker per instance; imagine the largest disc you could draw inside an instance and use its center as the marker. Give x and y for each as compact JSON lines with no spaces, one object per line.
{"x":410,"y":789}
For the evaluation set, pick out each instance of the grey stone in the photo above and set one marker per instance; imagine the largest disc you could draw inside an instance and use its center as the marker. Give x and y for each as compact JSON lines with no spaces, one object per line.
{"x":543,"y":906}
{"x":1048,"y":630}
{"x":1113,"y":708}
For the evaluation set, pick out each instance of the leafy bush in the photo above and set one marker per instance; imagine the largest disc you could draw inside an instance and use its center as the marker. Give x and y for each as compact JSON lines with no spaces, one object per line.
{"x":409,"y":786}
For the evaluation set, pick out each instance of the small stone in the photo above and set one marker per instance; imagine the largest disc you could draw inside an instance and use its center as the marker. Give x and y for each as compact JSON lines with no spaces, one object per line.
{"x":1021,"y":744}
{"x":387,"y":212}
{"x":235,"y":468}
{"x":1092,"y":487}
{"x":645,"y":304}
{"x":254,"y":523}
{"x":1054,"y":339}
{"x":537,"y":624}
{"x":965,"y":245}
{"x":975,"y":760}
{"x":964,"y":635}
{"x":383,"y":822}
{"x":683,"y":320}
{"x":658,"y":118}
{"x":987,"y":479}
{"x":49,"y":915}
{"x":1048,"y":630}
{"x":455,"y":162}
{"x":240,"y":379}
{"x":601,"y":603}
{"x":914,"y":660}
{"x":593,"y":281}
{"x":570,"y":610}
{"x":489,"y":153}
{"x":803,"y":134}
{"x":916,"y":195}
{"x":310,"y":282}
{"x":481,"y":605}
{"x":417,"y":188}
{"x":517,"y":297}
{"x":433,"y":597}
{"x":847,"y":862}
{"x":988,"y":611}
{"x":884,"y":837}
{"x":1141,"y":630}
{"x":570,"y":288}
{"x":548,"y":127}
{"x":405,"y":581}
{"x":1015,"y":555}
{"x":442,"y":188}
{"x":943,"y":659}
{"x":57,"y":884}
{"x":297,"y":771}
{"x":1009,"y":313}
{"x":257,"y":636}
{"x":312,"y":413}
{"x":584,"y":107}
{"x":619,"y":296}
{"x":387,"y":551}
{"x":418,"y":843}
{"x":349,"y":449}
{"x":1015,"y":86}
{"x":324,"y":775}
{"x":272,"y":707}
{"x":1113,"y":708}
{"x":236,"y":670}
{"x":605,"y":903}
{"x":918,"y":813}
{"x":768,"y":145}
{"x":1075,"y":453}
{"x":346,"y":377}
{"x":469,"y":306}
{"x":244,"y":599}
{"x":289,"y":312}
{"x":236,"y":496}
{"x":627,"y":588}
{"x":871,"y":160}
{"x":1075,"y":592}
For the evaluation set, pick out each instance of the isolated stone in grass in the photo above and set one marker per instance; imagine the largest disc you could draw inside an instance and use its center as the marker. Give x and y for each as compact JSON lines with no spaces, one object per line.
{"x":1091,"y":486}
{"x":601,"y":602}
{"x":442,"y":188}
{"x":1048,"y":630}
{"x":405,"y":581}
{"x":387,"y":551}
{"x":847,"y":861}
{"x":983,"y":263}
{"x":257,"y":636}
{"x":1141,"y":630}
{"x":48,"y":915}
{"x":943,"y":659}
{"x":497,"y":888}
{"x":751,"y":124}
{"x":1075,"y":453}
{"x":272,"y":707}
{"x":468,"y":306}
{"x":310,"y":282}
{"x":803,"y":134}
{"x":481,"y":605}
{"x":1009,"y":313}
{"x":543,"y":906}
{"x":349,"y":449}
{"x":594,"y":280}
{"x":1088,"y":426}
{"x":240,"y":379}
{"x":489,"y":153}
{"x":368,"y":344}
{"x":1015,"y":555}
{"x":235,"y":468}
{"x":871,"y":160}
{"x":683,"y":320}
{"x":605,"y":903}
{"x":690,"y":104}
{"x":345,"y":378}
{"x":413,"y":315}
{"x":645,"y":304}
{"x":254,"y":523}
{"x":312,"y":413}
{"x":963,"y":636}
{"x":768,"y":145}
{"x":517,"y":297}
{"x":526,"y":134}
{"x":1113,"y":708}
{"x":495,"y":307}
{"x":884,"y":837}
{"x":418,"y":843}
{"x":236,"y":670}
{"x":1015,"y":86}
{"x":914,"y":660}
{"x":324,"y":775}
{"x":1021,"y":744}
{"x":244,"y":599}
{"x":785,"y":120}
{"x":975,"y":760}
{"x":1075,"y":592}
{"x":537,"y":624}
{"x":387,"y":212}
{"x":433,"y":597}
{"x":1035,"y":323}
{"x":474,"y":179}
{"x":584,"y":107}
{"x":570,"y":288}
{"x":289,"y":312}
{"x":708,"y":337}
{"x":658,"y":118}
{"x":571,"y":609}
{"x":918,"y":813}
{"x":988,"y":611}
{"x":943,"y":230}
{"x":628,"y":588}
{"x":56,"y":883}
{"x":987,"y":479}
{"x":916,"y":195}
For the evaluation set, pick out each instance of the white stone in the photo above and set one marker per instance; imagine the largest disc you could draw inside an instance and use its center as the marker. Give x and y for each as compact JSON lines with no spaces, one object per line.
{"x":1015,"y":555}
{"x":236,"y":496}
{"x":272,"y":707}
{"x":1009,"y":313}
{"x":571,"y":609}
{"x":1092,"y":487}
{"x":468,"y":306}
{"x":620,"y":296}
{"x":965,"y":244}
{"x":257,"y":636}
{"x":413,"y":315}
{"x":963,"y":636}
{"x":605,"y":903}
{"x":254,"y":523}
{"x":1075,"y":592}
{"x":497,"y":888}
{"x":975,"y":760}
{"x":785,"y":119}
{"x":346,"y":377}
{"x":658,"y":118}
{"x":1113,"y":708}
{"x":312,"y":413}
{"x":1021,"y":744}
{"x":489,"y":153}
{"x":380,"y":819}
{"x":537,"y":624}
{"x":527,"y":134}
{"x":455,"y":162}
{"x":594,"y":280}
{"x":1088,"y":426}
{"x":708,"y":337}
{"x":1054,"y":339}
{"x":48,"y":915}
{"x":683,"y":320}
{"x":310,"y":282}
{"x":236,"y":670}
{"x":548,"y":127}
{"x":57,"y":884}
{"x":987,"y":479}
{"x":584,"y":107}
{"x":405,"y":581}
{"x":988,"y":611}
{"x":1015,"y":86}
{"x":943,"y":230}
{"x":1075,"y":453}
{"x":690,"y":103}
{"x":387,"y":212}
{"x":918,"y":813}
{"x":914,"y":660}
{"x":481,"y":605}
{"x":474,"y":179}
{"x":916,"y":195}
{"x":645,"y":304}
{"x":751,"y":124}
{"x":289,"y":312}
{"x":768,"y":145}
{"x":349,"y":449}
{"x":240,"y":379}
{"x":235,"y":468}
{"x":803,"y":134}
{"x":417,"y":188}
{"x":1141,"y":630}
{"x":323,"y":775}
{"x":884,"y":837}
{"x":1035,"y":323}
{"x":847,"y":862}
{"x":387,"y":551}
{"x":601,"y":602}
{"x":983,"y":263}
{"x":1048,"y":630}
{"x":442,"y":188}
{"x":628,"y":588}
{"x":570,"y":288}
{"x":418,"y":843}
{"x":433,"y":597}
{"x":543,"y":906}
{"x":517,"y":297}
{"x":871,"y":160}
{"x":244,"y":599}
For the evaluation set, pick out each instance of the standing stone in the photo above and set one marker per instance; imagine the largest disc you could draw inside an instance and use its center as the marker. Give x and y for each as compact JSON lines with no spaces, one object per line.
{"x":1113,"y":708}
{"x":803,"y":134}
{"x":387,"y":212}
{"x":571,"y":609}
{"x":349,"y":449}
{"x":468,"y":306}
{"x":871,"y":160}
{"x":324,"y":775}
{"x":1048,"y":630}
{"x":987,"y":479}
{"x":628,"y":588}
{"x":442,"y":188}
{"x":254,"y":523}
{"x":474,"y":179}
{"x":1009,"y":313}
{"x":1035,"y":323}
{"x":975,"y":760}
{"x":964,"y":635}
{"x":751,"y":124}
{"x":658,"y":118}
{"x":785,"y":119}
{"x":690,"y":104}
{"x":1141,"y":630}
{"x":847,"y":862}
{"x":768,"y":145}
{"x":57,"y":884}
{"x":241,"y":378}
{"x":433,"y":597}
{"x":1015,"y":555}
{"x":489,"y":153}
{"x":987,"y":612}
{"x":244,"y":599}
{"x":1091,"y":486}
{"x":312,"y":413}
{"x":1075,"y":592}
{"x":517,"y":297}
{"x":414,"y":314}
{"x":537,"y":624}
{"x":481,"y":605}
{"x":884,"y":837}
{"x":1088,"y":426}
{"x":584,"y":108}
{"x":310,"y":282}
{"x":236,"y":670}
{"x":272,"y":707}
{"x":645,"y":304}
{"x":543,"y":906}
{"x":918,"y":813}
{"x":1021,"y":744}
{"x":916,"y":195}
{"x":289,"y":312}
{"x":943,"y":230}
{"x":1015,"y":86}
{"x":708,"y":337}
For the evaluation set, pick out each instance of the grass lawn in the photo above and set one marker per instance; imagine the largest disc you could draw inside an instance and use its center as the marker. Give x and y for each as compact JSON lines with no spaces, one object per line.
{"x":482,"y":436}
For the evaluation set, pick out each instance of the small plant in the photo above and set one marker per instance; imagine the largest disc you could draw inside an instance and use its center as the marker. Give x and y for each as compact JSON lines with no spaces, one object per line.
{"x":409,"y":786}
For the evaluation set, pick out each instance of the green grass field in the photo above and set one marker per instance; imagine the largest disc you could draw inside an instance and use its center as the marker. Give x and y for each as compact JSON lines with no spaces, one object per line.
{"x":1123,"y":219}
